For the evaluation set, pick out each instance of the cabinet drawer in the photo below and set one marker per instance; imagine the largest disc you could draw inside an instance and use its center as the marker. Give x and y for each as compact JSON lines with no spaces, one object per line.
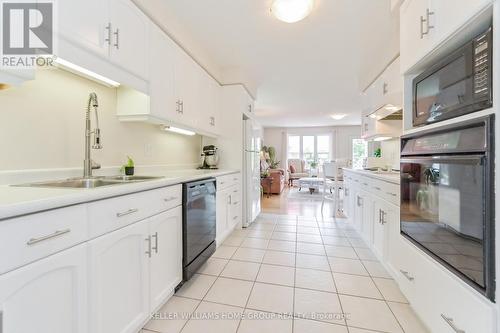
{"x":228,"y":181}
{"x":387,"y":191}
{"x":32,"y":237}
{"x":111,"y":214}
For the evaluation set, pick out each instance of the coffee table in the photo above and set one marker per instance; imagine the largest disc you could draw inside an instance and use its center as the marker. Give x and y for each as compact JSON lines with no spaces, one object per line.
{"x":313,"y":183}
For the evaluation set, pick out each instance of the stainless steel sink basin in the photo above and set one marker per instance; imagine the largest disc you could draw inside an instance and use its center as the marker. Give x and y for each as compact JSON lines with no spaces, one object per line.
{"x":132,"y":178}
{"x":75,"y":183}
{"x":90,"y":182}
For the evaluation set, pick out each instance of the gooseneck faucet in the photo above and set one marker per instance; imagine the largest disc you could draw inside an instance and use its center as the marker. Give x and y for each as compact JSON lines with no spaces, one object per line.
{"x":88,"y":164}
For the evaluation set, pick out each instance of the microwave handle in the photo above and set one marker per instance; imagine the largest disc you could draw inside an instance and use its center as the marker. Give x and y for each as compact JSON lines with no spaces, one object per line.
{"x":462,"y":159}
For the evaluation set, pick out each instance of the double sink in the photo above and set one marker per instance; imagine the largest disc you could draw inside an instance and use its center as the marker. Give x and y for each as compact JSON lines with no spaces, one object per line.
{"x":93,"y":182}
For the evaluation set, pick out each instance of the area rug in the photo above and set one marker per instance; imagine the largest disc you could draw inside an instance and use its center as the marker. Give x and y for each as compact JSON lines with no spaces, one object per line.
{"x":294,"y":193}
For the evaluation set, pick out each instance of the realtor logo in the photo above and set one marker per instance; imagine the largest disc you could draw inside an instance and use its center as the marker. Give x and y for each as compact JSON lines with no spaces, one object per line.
{"x":27,"y":28}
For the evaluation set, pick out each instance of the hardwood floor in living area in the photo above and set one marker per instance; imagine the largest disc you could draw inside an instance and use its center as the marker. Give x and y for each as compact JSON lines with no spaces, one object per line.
{"x":305,"y":206}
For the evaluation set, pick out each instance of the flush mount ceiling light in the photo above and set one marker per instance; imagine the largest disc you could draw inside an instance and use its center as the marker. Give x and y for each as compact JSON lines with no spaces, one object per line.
{"x":291,"y":11}
{"x":338,"y":116}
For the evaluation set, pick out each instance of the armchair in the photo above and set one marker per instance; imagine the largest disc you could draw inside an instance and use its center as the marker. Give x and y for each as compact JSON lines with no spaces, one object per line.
{"x":278,"y":176}
{"x":296,"y":170}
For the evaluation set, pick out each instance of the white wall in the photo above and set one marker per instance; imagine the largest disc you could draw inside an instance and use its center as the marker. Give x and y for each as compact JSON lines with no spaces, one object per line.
{"x":341,"y":139}
{"x":43,"y":127}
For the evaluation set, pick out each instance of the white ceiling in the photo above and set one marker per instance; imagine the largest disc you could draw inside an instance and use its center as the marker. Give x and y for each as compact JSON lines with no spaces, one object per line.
{"x":302,"y":72}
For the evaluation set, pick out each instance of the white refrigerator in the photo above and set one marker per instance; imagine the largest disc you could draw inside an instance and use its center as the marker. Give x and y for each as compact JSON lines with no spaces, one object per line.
{"x":253,"y":141}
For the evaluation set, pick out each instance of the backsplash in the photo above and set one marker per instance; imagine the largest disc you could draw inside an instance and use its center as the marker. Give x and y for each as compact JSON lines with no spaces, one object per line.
{"x":44,"y":121}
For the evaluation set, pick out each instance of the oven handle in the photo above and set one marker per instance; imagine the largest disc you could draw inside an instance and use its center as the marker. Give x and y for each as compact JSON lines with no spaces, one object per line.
{"x":460,"y":159}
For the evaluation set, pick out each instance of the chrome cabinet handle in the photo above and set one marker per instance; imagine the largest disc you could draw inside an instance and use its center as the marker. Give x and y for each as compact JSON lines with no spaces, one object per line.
{"x":425,"y":20}
{"x":384,"y":88}
{"x":212,"y":121}
{"x":346,"y":192}
{"x":128,"y":212}
{"x":169,"y":199}
{"x":148,"y":251}
{"x":108,"y":33}
{"x":181,"y":102}
{"x":57,"y":233}
{"x":407,"y":275}
{"x":155,"y":247}
{"x":235,"y":179}
{"x":383,"y":214}
{"x":366,"y":184}
{"x":236,"y":202}
{"x":377,"y":188}
{"x":359,"y":201}
{"x":235,"y":191}
{"x":234,"y":218}
{"x":450,"y":322}
{"x":117,"y":38}
{"x":392,"y":194}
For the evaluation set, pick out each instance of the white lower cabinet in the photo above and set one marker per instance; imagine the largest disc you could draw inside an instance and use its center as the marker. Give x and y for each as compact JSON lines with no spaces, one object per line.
{"x":444,"y":303}
{"x":166,"y":255}
{"x":228,"y":206}
{"x":48,"y":296}
{"x":119,"y":279}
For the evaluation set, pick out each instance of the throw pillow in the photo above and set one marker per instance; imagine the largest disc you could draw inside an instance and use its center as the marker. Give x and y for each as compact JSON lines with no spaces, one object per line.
{"x":292,"y":169}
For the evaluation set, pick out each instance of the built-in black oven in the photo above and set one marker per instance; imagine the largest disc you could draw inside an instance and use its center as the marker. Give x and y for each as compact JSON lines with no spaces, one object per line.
{"x":459,"y":84}
{"x":447,"y":198}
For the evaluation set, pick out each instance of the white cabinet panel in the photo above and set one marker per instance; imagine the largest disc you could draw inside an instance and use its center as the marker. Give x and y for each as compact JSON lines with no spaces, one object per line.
{"x":130,"y":37}
{"x":223,"y":213}
{"x":49,"y":296}
{"x":185,"y":88}
{"x":414,"y":43}
{"x":119,"y":280}
{"x":161,"y":55}
{"x":166,"y":256}
{"x":86,"y":23}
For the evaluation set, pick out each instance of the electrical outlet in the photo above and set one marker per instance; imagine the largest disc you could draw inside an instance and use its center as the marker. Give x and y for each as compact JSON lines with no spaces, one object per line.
{"x":148,"y":150}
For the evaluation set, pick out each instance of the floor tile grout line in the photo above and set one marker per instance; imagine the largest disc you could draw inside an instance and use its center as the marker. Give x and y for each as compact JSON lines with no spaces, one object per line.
{"x":294,"y":276}
{"x":336,"y":289}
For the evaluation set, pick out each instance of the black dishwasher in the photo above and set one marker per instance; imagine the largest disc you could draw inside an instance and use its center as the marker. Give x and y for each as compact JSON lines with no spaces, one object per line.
{"x":198,"y":224}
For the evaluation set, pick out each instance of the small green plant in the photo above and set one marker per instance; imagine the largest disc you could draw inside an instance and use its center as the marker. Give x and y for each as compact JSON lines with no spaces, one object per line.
{"x":377,"y":152}
{"x":313,"y":164}
{"x":130,"y":164}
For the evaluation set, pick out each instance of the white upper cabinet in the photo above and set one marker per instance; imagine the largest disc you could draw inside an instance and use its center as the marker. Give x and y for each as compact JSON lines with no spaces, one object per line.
{"x":49,"y":296}
{"x":161,"y":91}
{"x":129,"y":37}
{"x":166,"y":255}
{"x":425,"y":24}
{"x":116,"y":30}
{"x":185,"y":88}
{"x":86,"y":23}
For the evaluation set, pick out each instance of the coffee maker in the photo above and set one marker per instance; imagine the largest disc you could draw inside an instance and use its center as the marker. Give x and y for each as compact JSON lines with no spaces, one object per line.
{"x":209,"y":157}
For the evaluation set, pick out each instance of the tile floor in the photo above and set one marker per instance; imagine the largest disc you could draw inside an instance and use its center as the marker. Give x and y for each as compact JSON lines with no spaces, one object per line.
{"x":289,"y":274}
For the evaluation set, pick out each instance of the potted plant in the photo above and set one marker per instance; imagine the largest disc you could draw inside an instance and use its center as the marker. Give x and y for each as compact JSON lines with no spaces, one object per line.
{"x":314,"y":165}
{"x":128,"y":168}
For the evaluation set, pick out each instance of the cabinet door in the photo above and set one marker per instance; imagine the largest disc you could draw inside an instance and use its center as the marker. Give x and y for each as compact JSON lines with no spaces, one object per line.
{"x":367,"y":221}
{"x":450,"y":15}
{"x":48,"y":296}
{"x":379,"y":229}
{"x":85,"y":23}
{"x":223,"y":201}
{"x":358,"y":211}
{"x":166,"y":256}
{"x":235,"y":207}
{"x":119,"y":279}
{"x":185,"y":88}
{"x":162,"y":58}
{"x":130,"y":37}
{"x":413,"y":40}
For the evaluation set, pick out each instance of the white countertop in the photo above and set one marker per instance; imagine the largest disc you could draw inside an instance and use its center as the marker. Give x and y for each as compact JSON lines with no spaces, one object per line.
{"x":16,"y":201}
{"x":391,"y":177}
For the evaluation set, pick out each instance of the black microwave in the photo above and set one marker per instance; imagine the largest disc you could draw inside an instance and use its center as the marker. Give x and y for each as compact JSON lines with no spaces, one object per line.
{"x":459,"y":84}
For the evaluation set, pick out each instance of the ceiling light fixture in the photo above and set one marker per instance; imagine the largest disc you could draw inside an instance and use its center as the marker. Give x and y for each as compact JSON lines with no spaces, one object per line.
{"x":178,"y":130}
{"x":291,"y":11}
{"x":338,"y":116}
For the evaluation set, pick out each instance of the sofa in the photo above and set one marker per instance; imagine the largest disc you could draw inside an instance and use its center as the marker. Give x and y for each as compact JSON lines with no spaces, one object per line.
{"x":278,"y":176}
{"x":296,"y":169}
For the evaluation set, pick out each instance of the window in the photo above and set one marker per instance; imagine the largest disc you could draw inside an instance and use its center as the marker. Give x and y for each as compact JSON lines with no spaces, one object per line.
{"x":359,"y":152}
{"x":310,"y":148}
{"x":294,"y":146}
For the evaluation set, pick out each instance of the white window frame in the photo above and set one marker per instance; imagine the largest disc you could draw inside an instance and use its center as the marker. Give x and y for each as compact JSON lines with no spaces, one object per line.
{"x":301,"y":142}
